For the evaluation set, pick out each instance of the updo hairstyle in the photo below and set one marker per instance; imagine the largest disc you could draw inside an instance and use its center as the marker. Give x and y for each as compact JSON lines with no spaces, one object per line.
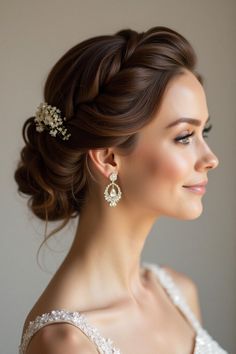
{"x":108,"y":87}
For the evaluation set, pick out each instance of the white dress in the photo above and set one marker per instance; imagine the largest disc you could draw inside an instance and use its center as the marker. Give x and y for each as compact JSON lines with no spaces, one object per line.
{"x":204,"y":343}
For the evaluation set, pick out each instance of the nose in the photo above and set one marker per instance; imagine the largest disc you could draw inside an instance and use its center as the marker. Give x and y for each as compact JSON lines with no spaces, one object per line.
{"x":212,"y":161}
{"x":208,"y":160}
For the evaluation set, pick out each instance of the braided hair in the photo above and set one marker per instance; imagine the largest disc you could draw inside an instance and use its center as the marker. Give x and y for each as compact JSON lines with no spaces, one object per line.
{"x":108,"y":87}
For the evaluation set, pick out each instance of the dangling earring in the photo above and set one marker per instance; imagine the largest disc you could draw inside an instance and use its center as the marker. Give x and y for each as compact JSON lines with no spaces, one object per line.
{"x":114,"y":196}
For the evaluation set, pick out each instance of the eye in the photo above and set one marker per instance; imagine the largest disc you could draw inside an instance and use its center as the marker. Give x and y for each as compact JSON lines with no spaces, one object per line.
{"x":206,"y":130}
{"x":185,"y":138}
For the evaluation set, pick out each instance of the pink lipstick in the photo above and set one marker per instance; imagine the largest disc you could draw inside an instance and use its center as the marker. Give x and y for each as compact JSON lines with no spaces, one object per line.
{"x":198,"y":188}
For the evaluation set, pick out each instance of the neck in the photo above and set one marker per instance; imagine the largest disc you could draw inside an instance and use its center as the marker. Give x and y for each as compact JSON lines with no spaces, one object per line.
{"x":106,"y":251}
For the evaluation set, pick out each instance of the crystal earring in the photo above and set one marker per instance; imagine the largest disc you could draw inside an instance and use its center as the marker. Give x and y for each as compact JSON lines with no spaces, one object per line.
{"x":115,"y":194}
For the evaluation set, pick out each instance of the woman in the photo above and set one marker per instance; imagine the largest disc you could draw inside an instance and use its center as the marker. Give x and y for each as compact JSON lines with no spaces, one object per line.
{"x":119,"y":142}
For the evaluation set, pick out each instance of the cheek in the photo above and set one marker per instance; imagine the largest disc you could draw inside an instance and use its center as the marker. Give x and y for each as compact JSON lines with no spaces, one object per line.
{"x":166,"y":166}
{"x":155,"y":170}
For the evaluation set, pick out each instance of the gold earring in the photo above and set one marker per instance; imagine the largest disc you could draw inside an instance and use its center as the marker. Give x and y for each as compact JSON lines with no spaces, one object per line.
{"x":115,"y":194}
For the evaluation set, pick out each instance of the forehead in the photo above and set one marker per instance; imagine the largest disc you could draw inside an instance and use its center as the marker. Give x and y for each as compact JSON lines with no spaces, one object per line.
{"x":184,"y":97}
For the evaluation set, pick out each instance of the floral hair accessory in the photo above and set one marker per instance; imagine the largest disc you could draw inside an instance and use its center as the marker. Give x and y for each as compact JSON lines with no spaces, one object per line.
{"x":49,"y":118}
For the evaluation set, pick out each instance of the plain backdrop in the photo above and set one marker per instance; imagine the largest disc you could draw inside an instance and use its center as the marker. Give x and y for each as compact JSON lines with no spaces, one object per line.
{"x":33,"y":35}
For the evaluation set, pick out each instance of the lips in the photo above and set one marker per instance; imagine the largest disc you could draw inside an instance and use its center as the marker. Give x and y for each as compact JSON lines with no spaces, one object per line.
{"x":197,"y":188}
{"x":200,"y":184}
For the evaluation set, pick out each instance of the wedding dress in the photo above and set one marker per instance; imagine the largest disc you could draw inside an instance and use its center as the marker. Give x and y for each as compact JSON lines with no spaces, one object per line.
{"x":204,"y":343}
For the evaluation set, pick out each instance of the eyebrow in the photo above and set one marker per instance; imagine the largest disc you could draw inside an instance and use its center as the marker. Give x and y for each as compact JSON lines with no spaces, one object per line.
{"x":192,"y":121}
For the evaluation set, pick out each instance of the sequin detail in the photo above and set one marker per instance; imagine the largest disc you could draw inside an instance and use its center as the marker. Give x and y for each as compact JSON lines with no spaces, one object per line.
{"x":104,"y":345}
{"x":204,"y":343}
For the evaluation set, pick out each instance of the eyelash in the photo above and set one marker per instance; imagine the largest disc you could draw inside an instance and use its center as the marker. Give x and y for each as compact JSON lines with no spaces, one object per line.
{"x":205,"y":130}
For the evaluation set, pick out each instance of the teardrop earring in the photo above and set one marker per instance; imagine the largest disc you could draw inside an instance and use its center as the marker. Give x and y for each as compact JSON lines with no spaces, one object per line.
{"x":114,"y":195}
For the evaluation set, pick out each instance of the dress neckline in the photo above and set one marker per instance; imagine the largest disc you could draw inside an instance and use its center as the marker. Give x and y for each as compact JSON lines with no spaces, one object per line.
{"x":177,"y":298}
{"x":80,"y":320}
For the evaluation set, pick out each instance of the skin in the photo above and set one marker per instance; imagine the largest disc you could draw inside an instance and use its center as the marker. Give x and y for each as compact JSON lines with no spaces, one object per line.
{"x":109,"y":241}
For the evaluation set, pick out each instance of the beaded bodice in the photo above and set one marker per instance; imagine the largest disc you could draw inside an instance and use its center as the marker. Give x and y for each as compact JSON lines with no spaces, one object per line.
{"x":204,"y":343}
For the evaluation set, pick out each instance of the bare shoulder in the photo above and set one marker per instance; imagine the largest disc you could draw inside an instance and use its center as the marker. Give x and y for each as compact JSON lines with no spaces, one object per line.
{"x":188,"y":288}
{"x":60,"y":338}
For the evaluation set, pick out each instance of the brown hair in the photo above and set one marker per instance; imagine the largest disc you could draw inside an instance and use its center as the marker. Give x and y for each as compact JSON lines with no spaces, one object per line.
{"x":108,"y":87}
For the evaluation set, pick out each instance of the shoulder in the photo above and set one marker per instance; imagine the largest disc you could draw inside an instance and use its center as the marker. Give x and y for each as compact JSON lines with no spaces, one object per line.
{"x":188,"y":288}
{"x":60,"y":338}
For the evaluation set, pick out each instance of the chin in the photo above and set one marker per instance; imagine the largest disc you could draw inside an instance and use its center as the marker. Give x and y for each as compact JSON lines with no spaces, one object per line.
{"x":190,"y":214}
{"x":186,"y":212}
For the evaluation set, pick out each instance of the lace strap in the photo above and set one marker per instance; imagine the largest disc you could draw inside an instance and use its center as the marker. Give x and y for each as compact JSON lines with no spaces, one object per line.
{"x":104,"y":345}
{"x":175,"y":294}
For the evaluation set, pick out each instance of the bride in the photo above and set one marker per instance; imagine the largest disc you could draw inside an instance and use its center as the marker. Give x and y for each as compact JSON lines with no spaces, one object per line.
{"x":118,"y":142}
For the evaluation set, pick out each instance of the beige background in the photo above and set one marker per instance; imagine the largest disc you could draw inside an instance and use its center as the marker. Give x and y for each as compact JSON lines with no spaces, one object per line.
{"x":34,"y":34}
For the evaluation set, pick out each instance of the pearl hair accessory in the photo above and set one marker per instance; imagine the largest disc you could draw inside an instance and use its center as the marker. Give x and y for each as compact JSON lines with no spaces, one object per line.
{"x":48,"y":117}
{"x":114,"y":195}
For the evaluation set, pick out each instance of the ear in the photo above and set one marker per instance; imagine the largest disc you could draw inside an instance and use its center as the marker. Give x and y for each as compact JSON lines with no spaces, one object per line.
{"x":104,"y":160}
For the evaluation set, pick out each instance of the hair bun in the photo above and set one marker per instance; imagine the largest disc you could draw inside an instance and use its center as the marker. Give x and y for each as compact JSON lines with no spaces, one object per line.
{"x":108,"y":87}
{"x":44,"y":176}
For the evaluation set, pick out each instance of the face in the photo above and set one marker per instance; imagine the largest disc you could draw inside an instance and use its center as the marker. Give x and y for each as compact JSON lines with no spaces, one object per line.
{"x":163,"y":162}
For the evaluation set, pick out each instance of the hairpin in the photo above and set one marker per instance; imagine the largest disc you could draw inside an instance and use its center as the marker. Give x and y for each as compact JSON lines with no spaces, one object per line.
{"x":49,"y":118}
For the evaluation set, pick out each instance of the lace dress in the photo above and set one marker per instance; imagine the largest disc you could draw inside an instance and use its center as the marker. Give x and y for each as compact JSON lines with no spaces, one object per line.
{"x":204,"y":343}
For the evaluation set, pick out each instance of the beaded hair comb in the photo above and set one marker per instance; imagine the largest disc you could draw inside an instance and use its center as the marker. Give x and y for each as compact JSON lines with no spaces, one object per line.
{"x":49,"y":118}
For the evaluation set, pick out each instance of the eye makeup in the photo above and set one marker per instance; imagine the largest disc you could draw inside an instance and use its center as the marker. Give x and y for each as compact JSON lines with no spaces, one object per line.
{"x":184,"y":137}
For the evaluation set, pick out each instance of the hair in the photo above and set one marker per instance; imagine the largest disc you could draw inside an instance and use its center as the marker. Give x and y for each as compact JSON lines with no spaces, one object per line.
{"x":108,"y":87}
